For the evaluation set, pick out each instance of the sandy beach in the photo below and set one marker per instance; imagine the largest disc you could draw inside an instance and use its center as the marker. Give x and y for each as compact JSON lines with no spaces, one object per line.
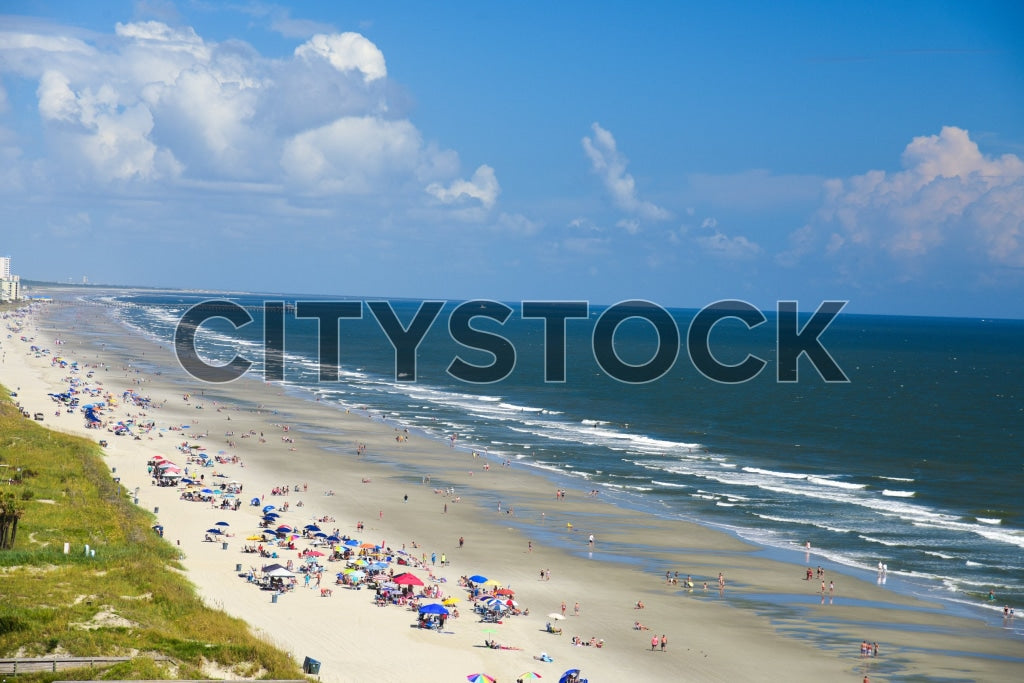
{"x":420,"y":496}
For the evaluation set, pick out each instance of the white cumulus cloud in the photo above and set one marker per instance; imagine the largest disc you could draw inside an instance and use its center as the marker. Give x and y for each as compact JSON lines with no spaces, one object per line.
{"x":153,"y":102}
{"x":483,"y":187}
{"x":949,"y":199}
{"x":345,"y":52}
{"x":737,"y":247}
{"x":610,"y":165}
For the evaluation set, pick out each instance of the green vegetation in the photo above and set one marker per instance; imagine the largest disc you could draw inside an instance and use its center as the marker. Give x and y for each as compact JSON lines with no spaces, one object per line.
{"x":130,"y":600}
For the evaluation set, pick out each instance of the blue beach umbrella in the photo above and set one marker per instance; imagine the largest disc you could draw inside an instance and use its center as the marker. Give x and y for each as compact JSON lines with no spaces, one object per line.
{"x":214,"y":530}
{"x":333,"y":538}
{"x":352,"y":542}
{"x":254,"y":501}
{"x":571,"y":672}
{"x":268,"y":508}
{"x":320,"y":534}
{"x":222,"y":524}
{"x":476,"y":578}
{"x":311,"y":527}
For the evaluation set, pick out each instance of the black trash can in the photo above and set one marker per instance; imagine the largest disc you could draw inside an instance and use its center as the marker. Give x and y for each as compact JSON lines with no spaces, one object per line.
{"x":310,"y":666}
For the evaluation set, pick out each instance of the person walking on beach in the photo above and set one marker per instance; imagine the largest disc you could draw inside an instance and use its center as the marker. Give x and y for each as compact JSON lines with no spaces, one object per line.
{"x":563,"y":608}
{"x":462,"y":541}
{"x":654,"y":643}
{"x":664,"y":642}
{"x":576,"y":609}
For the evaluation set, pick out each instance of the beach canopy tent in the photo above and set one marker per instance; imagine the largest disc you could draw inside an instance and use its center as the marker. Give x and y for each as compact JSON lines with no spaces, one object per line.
{"x":433,"y":608}
{"x":280,"y":572}
{"x":254,"y":501}
{"x":408,"y":579}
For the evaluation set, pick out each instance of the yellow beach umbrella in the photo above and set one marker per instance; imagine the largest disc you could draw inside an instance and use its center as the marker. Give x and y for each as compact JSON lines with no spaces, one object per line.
{"x":492,"y":582}
{"x":449,"y":601}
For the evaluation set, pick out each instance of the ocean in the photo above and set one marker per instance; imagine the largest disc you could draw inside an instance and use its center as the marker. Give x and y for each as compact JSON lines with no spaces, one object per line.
{"x":915,"y":462}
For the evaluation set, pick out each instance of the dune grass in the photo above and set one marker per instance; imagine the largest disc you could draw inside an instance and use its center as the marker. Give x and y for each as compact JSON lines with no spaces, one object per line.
{"x":129,"y":600}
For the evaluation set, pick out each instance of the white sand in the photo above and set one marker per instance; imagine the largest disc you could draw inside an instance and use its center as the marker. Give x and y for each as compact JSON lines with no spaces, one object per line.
{"x":711,"y":636}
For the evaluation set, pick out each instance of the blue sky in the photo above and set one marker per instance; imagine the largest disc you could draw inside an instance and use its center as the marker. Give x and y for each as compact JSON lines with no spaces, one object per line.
{"x":678,"y":152}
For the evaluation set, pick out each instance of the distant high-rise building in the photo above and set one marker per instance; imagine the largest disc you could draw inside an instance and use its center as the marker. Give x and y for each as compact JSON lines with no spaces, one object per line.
{"x":10,"y":285}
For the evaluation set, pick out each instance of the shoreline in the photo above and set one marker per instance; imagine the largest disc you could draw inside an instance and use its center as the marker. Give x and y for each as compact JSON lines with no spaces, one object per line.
{"x":711,"y":624}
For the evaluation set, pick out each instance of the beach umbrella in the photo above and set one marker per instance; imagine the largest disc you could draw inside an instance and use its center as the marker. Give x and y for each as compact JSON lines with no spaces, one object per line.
{"x":214,"y":530}
{"x":311,"y":527}
{"x":476,"y":578}
{"x":568,"y":674}
{"x":480,"y":678}
{"x":408,"y":579}
{"x":433,"y":608}
{"x":320,"y":534}
{"x":268,"y":508}
{"x":377,"y":566}
{"x":333,"y":538}
{"x":494,"y":604}
{"x":492,"y":582}
{"x":449,"y":601}
{"x":529,"y":674}
{"x":222,"y":524}
{"x":254,"y":538}
{"x":254,"y":501}
{"x":556,"y":615}
{"x":283,"y":529}
{"x":352,"y":543}
{"x":367,"y":546}
{"x":315,"y":553}
{"x":504,"y":591}
{"x":207,"y":491}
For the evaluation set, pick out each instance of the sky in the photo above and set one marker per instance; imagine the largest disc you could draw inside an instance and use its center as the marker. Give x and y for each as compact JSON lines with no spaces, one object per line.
{"x":678,"y":152}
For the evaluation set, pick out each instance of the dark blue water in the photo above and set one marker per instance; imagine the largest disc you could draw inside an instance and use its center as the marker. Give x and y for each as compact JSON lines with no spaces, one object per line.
{"x":915,"y":462}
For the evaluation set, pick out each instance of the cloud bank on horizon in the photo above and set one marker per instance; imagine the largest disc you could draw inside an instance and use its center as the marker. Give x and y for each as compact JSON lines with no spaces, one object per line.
{"x":153,"y":137}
